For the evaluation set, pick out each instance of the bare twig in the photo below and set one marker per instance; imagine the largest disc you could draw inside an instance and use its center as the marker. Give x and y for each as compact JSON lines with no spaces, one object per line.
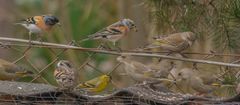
{"x":62,"y":46}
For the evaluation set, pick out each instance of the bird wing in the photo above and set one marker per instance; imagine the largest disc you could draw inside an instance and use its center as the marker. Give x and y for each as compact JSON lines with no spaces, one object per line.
{"x":140,"y":67}
{"x":90,"y":83}
{"x":198,"y":85}
{"x":29,"y":20}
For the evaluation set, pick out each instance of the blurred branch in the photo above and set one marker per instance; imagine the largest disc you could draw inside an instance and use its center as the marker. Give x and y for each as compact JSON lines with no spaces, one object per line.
{"x":62,"y":46}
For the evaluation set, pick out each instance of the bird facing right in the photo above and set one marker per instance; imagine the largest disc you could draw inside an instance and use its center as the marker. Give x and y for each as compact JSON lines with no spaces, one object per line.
{"x":176,"y":42}
{"x":39,"y":24}
{"x":97,"y":84}
{"x":114,"y":32}
{"x":140,"y":72}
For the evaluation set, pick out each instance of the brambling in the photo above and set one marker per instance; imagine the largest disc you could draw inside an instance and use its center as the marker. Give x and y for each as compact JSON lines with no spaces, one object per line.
{"x":39,"y":24}
{"x":114,"y":32}
{"x":97,"y":84}
{"x":196,"y":82}
{"x":140,"y":72}
{"x":65,"y":74}
{"x":11,"y":71}
{"x":176,"y":42}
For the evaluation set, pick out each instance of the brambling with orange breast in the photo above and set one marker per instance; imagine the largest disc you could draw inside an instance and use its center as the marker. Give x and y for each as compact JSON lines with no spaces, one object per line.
{"x":65,"y":74}
{"x":114,"y":32}
{"x":39,"y":24}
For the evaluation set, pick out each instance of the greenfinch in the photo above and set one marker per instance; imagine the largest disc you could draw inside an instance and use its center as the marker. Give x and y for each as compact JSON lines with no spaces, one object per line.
{"x":97,"y":84}
{"x":11,"y":71}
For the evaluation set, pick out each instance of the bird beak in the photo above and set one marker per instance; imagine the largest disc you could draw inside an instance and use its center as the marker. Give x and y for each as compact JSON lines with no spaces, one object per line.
{"x":135,"y":29}
{"x":59,"y":24}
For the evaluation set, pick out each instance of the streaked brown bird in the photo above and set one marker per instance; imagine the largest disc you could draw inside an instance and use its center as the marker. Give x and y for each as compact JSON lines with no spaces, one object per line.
{"x":140,"y":72}
{"x":196,"y":82}
{"x":65,"y":74}
{"x":11,"y":71}
{"x":176,"y":42}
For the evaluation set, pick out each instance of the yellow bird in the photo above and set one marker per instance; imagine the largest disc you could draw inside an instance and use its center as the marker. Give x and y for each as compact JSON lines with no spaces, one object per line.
{"x":97,"y":84}
{"x":11,"y":71}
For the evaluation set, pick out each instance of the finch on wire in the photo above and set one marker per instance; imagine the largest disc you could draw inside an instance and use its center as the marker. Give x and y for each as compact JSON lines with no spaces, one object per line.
{"x":39,"y":24}
{"x":65,"y":74}
{"x":11,"y":71}
{"x":114,"y":32}
{"x":97,"y":84}
{"x":140,"y":72}
{"x":176,"y":42}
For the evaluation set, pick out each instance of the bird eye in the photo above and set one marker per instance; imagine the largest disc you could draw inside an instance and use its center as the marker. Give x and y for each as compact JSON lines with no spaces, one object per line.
{"x":68,"y":65}
{"x":179,"y":74}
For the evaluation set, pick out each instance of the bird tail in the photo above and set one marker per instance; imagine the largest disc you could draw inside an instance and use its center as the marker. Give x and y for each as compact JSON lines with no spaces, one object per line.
{"x":85,"y":85}
{"x":25,"y":73}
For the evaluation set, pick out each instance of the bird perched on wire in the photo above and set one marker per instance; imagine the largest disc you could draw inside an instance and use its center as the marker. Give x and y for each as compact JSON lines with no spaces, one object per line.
{"x":96,"y":84}
{"x":176,"y":42}
{"x":11,"y":71}
{"x":114,"y":32}
{"x":65,"y":74}
{"x":39,"y":24}
{"x":140,"y":72}
{"x":196,"y":82}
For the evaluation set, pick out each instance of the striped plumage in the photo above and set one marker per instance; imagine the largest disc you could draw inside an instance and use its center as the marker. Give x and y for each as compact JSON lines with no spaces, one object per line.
{"x":65,"y":74}
{"x":114,"y":32}
{"x":39,"y":24}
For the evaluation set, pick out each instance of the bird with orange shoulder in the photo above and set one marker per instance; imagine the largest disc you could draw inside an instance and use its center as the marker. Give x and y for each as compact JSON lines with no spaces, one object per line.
{"x":114,"y":32}
{"x":39,"y":24}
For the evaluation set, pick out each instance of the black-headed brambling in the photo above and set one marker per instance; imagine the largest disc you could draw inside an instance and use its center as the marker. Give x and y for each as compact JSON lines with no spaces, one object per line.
{"x":139,"y":71}
{"x":39,"y":24}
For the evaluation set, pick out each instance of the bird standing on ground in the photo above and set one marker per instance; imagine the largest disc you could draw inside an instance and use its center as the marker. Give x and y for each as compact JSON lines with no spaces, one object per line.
{"x":114,"y":32}
{"x":140,"y":72}
{"x":97,"y":84}
{"x":39,"y":24}
{"x":195,"y":82}
{"x":10,"y":71}
{"x":65,"y":74}
{"x":176,"y":42}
